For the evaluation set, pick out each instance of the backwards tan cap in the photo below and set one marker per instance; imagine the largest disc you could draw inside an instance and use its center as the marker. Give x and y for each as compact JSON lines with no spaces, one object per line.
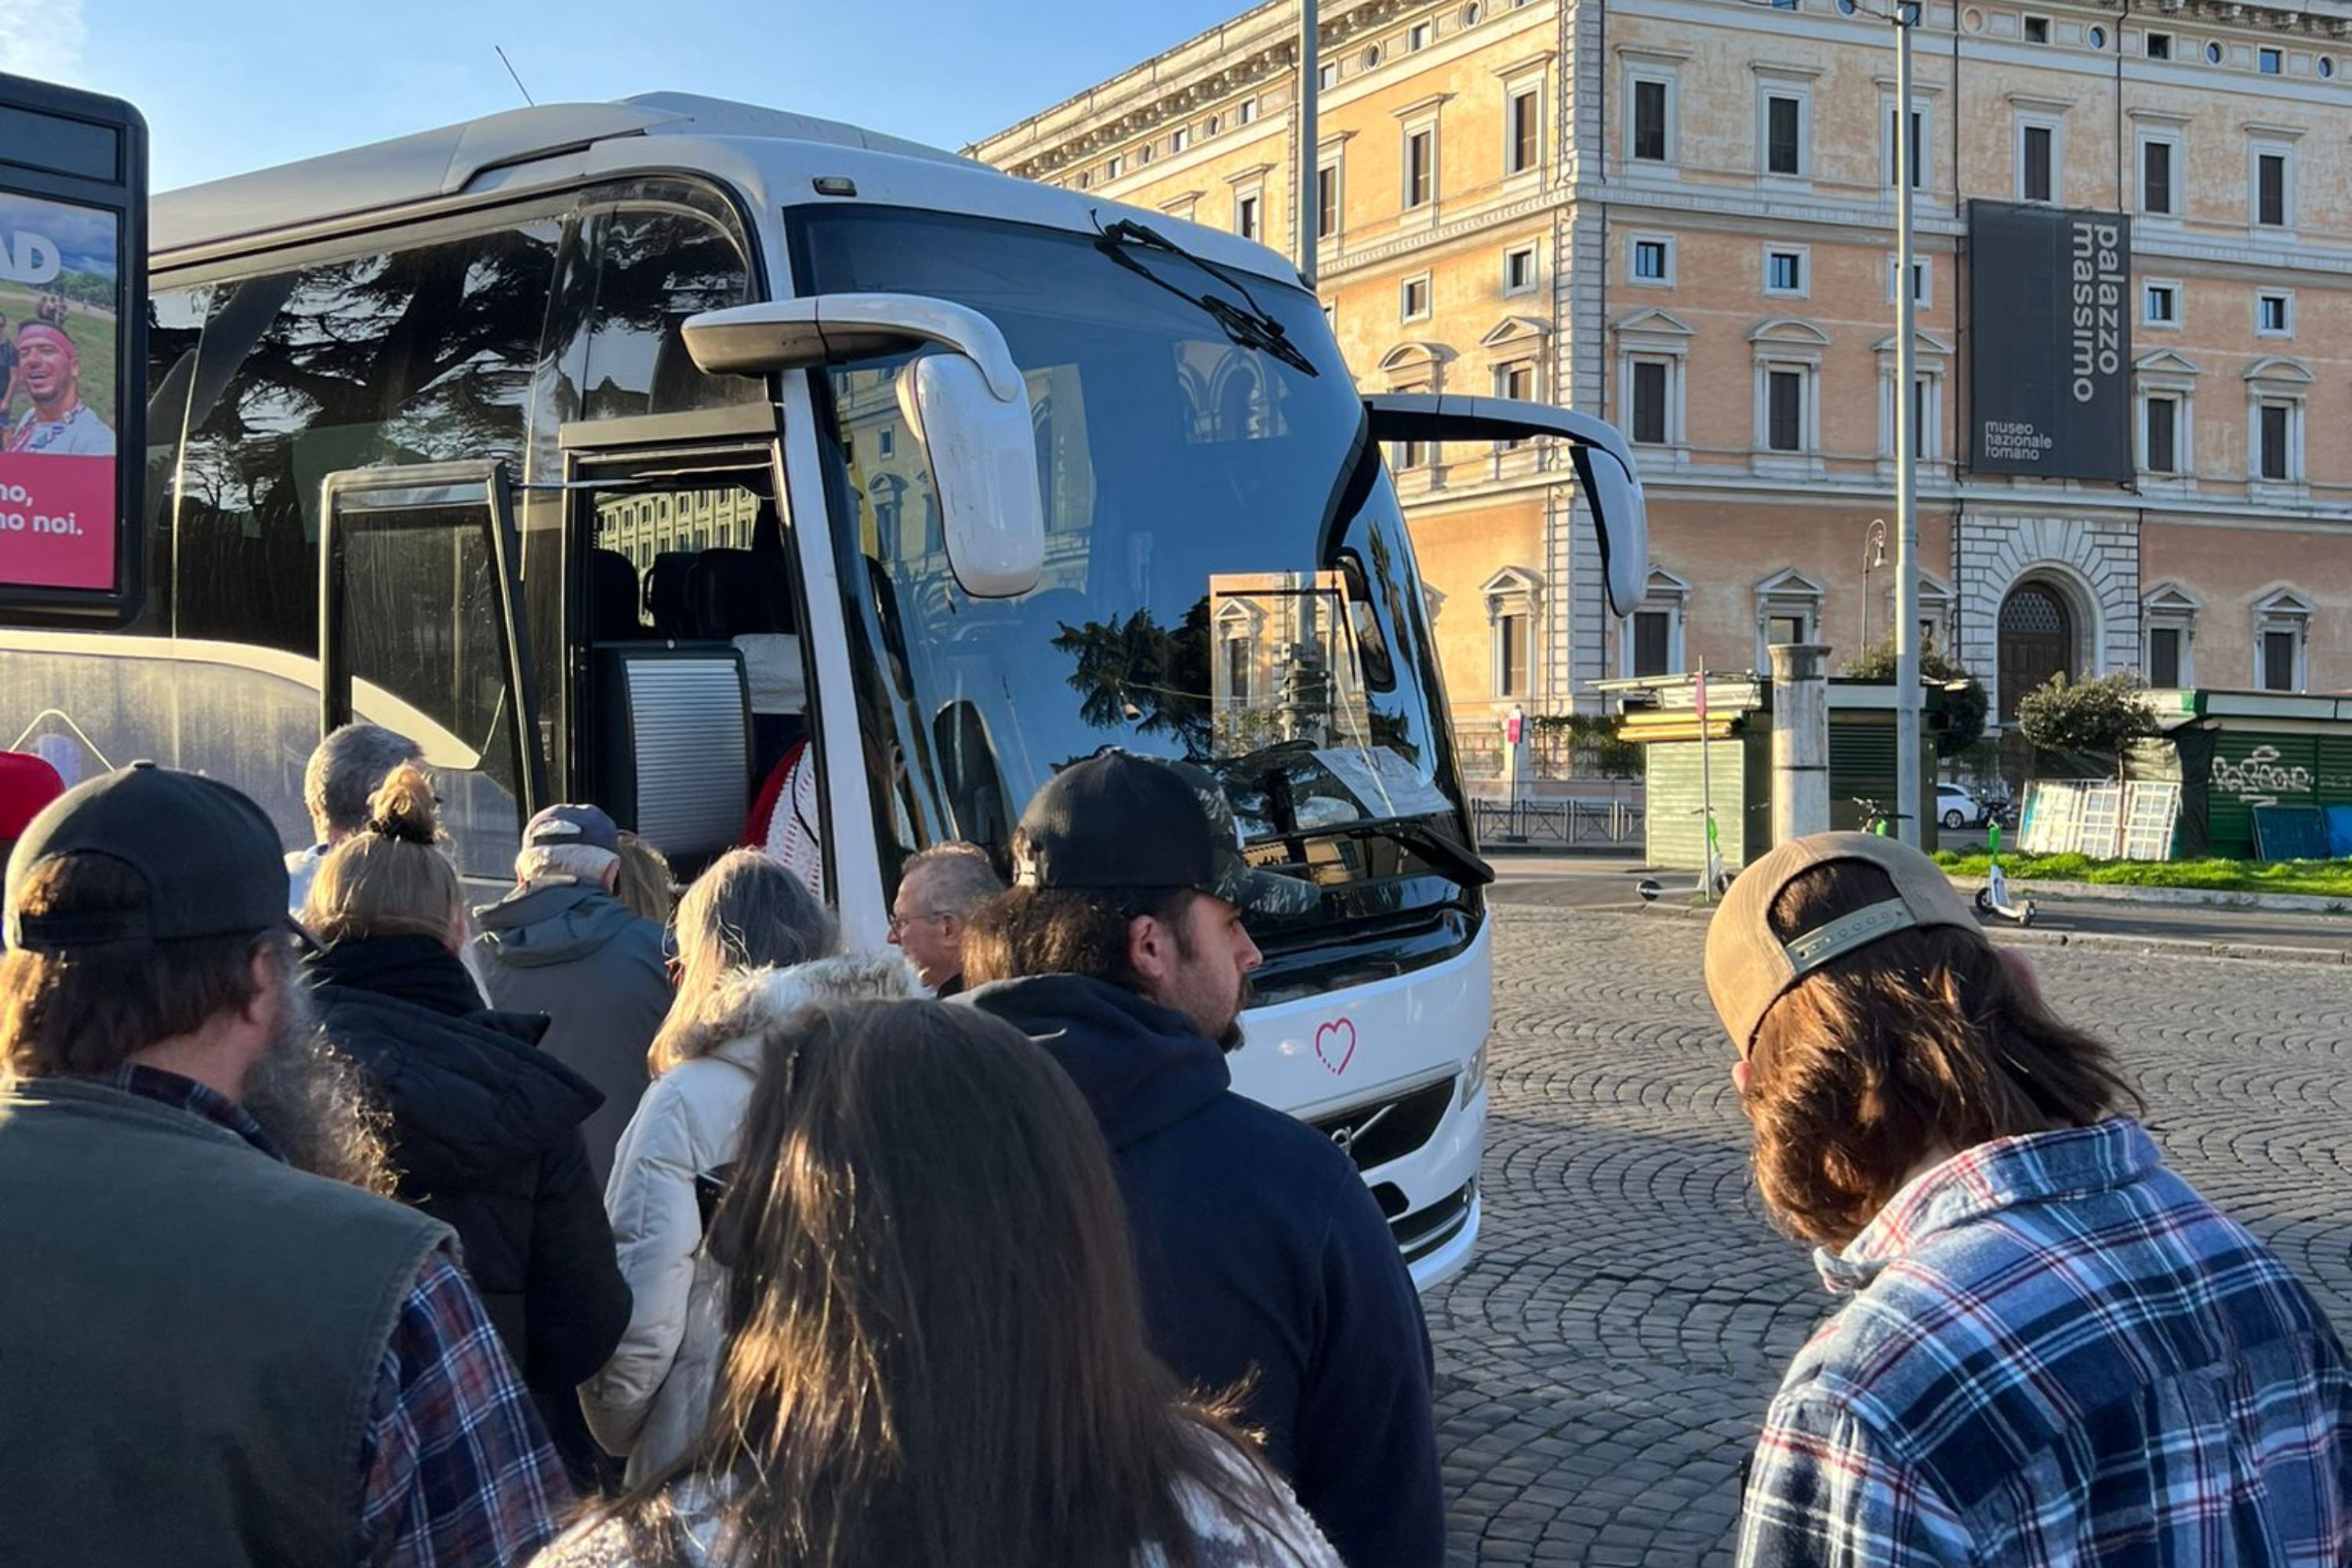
{"x":1748,"y":968}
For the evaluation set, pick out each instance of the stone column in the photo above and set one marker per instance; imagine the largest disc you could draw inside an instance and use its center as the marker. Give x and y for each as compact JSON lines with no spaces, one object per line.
{"x":1801,"y":740}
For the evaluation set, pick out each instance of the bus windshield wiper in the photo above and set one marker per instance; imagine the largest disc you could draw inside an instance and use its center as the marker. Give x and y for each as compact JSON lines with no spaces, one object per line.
{"x":1249,"y":324}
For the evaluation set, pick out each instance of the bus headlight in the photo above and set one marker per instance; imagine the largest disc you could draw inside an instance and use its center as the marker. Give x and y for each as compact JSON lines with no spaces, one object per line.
{"x":1474,"y":1076}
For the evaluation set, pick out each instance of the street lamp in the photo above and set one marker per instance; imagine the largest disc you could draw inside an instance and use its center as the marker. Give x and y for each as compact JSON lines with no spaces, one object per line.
{"x":1907,"y":804}
{"x":1873,"y":556}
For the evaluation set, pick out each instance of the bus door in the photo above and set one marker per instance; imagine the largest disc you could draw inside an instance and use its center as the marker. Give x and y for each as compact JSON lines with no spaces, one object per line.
{"x":690,"y":681}
{"x":420,"y":630}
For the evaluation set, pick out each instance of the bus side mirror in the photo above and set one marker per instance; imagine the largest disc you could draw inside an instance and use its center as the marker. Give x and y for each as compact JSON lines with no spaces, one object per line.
{"x":966,"y":401}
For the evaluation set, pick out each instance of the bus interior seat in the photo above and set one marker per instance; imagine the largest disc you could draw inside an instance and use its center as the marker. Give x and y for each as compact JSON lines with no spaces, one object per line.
{"x":666,"y":594}
{"x":612,"y":598}
{"x":745,"y":597}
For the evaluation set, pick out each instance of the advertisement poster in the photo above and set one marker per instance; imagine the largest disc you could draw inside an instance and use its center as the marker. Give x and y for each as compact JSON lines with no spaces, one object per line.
{"x":2049,"y":343}
{"x":60,"y":404}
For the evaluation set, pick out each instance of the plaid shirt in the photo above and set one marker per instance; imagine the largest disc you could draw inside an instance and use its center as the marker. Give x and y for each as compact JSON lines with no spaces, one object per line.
{"x":2057,"y":1352}
{"x":455,"y":1470}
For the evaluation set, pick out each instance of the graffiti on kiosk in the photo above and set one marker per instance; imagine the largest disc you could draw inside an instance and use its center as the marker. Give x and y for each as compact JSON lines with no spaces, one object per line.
{"x":2260,"y":779}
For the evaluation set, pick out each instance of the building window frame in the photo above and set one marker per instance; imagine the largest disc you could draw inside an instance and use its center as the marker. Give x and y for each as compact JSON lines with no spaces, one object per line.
{"x":1419,"y":287}
{"x":2168,"y":607}
{"x":1787,"y":595}
{"x":2166,"y":375}
{"x":1785,"y":346}
{"x":1633,"y":244}
{"x":1522,"y":271}
{"x":1514,"y":598}
{"x":2163,"y":303}
{"x":2283,"y":300}
{"x":1662,"y":73}
{"x":1249,"y":211}
{"x":1799,"y":269}
{"x":2284,"y":385}
{"x":1787,"y":86}
{"x":1417,"y":176}
{"x":2283,"y":612}
{"x":2169,"y":135}
{"x":2266,"y":143}
{"x":1523,"y":159}
{"x":2052,"y":176}
{"x":1922,"y":272}
{"x":1929,"y":354}
{"x":1664,"y":595}
{"x":1923,"y":112}
{"x":1654,"y":337}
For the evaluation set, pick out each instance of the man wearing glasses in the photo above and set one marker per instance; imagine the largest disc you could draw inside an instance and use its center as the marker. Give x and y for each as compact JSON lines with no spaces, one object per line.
{"x":938,"y":890}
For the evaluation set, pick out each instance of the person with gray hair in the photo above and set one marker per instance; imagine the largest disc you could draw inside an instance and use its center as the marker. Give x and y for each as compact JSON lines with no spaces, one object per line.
{"x":938,"y":890}
{"x":345,"y":770}
{"x":561,"y":944}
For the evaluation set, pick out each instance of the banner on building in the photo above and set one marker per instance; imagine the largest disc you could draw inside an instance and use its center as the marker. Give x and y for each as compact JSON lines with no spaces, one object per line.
{"x":2049,"y":343}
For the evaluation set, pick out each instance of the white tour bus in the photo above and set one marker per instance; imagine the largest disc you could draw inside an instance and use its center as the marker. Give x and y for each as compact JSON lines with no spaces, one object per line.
{"x":612,"y":449}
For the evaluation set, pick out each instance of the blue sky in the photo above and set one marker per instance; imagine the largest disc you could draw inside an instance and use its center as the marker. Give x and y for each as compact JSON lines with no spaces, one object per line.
{"x":230,"y":85}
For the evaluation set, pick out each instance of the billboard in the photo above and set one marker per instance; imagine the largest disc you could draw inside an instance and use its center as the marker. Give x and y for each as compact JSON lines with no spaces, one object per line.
{"x":73,"y":306}
{"x":2049,"y":343}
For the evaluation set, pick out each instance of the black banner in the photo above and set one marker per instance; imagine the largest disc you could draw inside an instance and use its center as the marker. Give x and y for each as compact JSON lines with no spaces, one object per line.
{"x":2049,"y":314}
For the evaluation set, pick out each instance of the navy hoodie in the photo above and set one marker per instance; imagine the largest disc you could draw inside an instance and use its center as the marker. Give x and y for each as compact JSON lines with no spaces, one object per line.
{"x":1262,"y":1256}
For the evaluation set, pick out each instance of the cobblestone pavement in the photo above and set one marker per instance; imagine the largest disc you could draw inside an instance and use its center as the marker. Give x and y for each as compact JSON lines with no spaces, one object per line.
{"x":1603,"y":1363}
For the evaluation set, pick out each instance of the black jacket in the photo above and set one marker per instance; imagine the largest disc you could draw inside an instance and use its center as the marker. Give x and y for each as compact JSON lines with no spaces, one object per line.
{"x":1261,"y":1253}
{"x":486,"y":1136}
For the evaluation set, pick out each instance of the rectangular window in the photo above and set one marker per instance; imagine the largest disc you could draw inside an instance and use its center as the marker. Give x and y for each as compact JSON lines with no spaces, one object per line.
{"x":1653,"y":641}
{"x":1326,"y":75}
{"x":2156,"y":178}
{"x":2037,"y":29}
{"x":1237,"y":670}
{"x":1420,"y":167}
{"x":1326,"y":201}
{"x":1116,"y":168}
{"x":2035,"y":145}
{"x":2275,"y":314}
{"x":1525,"y":146}
{"x":1404,"y":455}
{"x":1918,"y":148}
{"x":1779,"y":629}
{"x":1519,"y":269}
{"x":1783,"y":132}
{"x":1650,"y":401}
{"x":1417,"y":39}
{"x":1649,"y":120}
{"x":1246,"y":112}
{"x":1784,"y":272}
{"x":1414,"y":298}
{"x":2275,"y":419}
{"x":1919,"y":432}
{"x":2270,"y":189}
{"x":1246,"y":210}
{"x":2159,"y":46}
{"x":2163,"y":656}
{"x":1517,"y":382}
{"x":2278,"y":661}
{"x":1922,"y":289}
{"x":1510,"y":655}
{"x":2267,"y":61}
{"x":1785,"y":411}
{"x":2162,"y":304}
{"x":1179,"y":139}
{"x":2161,"y":417}
{"x":1651,"y":262}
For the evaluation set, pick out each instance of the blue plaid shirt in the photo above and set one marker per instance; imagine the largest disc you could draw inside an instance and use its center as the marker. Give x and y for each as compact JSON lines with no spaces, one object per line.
{"x":453,"y":1471}
{"x":2055,"y":1352}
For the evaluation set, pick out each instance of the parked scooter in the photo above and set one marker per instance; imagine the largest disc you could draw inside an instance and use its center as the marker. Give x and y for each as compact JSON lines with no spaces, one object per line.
{"x":1993,"y":898}
{"x":1715,"y":883}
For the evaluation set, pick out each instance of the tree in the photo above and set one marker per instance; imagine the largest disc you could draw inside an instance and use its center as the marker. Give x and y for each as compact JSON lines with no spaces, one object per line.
{"x":1966,"y":706}
{"x":2100,"y":717}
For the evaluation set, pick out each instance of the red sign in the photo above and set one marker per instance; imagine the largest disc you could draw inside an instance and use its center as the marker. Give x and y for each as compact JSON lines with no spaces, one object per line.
{"x":57,"y":521}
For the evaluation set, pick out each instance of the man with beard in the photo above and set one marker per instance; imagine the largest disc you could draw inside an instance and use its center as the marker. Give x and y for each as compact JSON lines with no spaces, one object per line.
{"x":216,"y":1358}
{"x":1265,"y":1267}
{"x":60,"y":423}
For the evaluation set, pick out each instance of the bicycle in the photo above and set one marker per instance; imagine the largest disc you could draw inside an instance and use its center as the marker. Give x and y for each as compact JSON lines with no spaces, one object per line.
{"x":1875,"y":817}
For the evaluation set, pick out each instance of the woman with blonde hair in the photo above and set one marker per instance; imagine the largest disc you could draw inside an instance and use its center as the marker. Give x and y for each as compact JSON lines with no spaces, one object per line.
{"x":753,"y":948}
{"x":935,"y":1348}
{"x":484,"y":1126}
{"x":643,"y":885}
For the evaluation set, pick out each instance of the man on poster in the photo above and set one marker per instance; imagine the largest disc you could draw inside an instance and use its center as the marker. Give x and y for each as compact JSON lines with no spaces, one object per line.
{"x":60,"y":423}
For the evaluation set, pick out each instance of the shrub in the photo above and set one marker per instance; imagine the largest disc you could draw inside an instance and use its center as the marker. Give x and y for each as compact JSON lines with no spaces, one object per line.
{"x":1966,"y":706}
{"x":2100,"y":717}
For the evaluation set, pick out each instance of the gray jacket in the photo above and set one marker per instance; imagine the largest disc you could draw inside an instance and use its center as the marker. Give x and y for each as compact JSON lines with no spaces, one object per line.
{"x":574,"y":952}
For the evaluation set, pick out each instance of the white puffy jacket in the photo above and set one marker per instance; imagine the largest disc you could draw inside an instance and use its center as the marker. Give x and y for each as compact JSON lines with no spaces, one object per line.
{"x":649,"y":1401}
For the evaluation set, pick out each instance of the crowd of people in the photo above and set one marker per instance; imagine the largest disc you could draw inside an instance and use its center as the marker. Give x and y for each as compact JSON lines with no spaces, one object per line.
{"x":606,"y":1227}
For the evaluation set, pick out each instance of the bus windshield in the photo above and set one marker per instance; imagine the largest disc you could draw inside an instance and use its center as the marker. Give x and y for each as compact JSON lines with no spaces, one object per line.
{"x":1228,"y":578}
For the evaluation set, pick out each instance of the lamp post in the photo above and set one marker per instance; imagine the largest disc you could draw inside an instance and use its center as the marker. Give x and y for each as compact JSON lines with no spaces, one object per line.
{"x":1310,"y":80}
{"x":1873,"y":556}
{"x":1908,"y":805}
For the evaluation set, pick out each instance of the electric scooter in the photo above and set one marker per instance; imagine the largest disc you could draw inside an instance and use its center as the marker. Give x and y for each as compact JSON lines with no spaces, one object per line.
{"x":1993,"y":898}
{"x":1717,"y":881}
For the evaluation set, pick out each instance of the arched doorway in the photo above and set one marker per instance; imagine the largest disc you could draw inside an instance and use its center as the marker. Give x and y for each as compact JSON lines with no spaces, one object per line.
{"x":2037,"y":641}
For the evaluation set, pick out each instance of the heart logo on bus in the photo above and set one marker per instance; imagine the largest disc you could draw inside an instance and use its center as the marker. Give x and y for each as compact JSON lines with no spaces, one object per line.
{"x":1335,"y":1045}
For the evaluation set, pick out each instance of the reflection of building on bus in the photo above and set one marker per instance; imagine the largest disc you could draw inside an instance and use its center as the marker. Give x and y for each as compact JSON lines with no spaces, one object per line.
{"x":60,"y":423}
{"x":1285,"y":666}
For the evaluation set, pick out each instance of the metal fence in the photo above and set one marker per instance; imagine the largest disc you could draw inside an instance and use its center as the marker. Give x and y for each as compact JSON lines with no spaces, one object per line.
{"x":1558,"y":824}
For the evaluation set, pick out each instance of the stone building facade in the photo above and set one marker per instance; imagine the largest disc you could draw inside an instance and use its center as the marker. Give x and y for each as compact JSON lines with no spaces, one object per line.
{"x":1678,"y":215}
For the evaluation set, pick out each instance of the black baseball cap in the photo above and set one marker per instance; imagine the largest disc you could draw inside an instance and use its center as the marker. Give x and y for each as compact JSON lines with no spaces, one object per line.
{"x":210,"y":859}
{"x":1118,"y":820}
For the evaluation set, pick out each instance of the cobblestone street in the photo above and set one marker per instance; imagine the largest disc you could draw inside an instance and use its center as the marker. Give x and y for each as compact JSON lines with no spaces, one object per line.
{"x":1603,"y":1364}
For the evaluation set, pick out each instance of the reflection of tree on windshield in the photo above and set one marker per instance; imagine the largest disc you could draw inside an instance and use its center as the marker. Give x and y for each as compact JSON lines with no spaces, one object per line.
{"x":1130,"y":672}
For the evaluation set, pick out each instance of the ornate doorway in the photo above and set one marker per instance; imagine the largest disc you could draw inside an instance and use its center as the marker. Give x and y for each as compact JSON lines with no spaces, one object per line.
{"x":2037,"y":641}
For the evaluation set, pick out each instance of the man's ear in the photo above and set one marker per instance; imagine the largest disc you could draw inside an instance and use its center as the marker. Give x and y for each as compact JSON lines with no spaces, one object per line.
{"x":1151,"y":950}
{"x":260,"y":1008}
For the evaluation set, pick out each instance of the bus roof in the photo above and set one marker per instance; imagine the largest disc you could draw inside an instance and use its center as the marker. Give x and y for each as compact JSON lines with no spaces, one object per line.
{"x":433,"y":164}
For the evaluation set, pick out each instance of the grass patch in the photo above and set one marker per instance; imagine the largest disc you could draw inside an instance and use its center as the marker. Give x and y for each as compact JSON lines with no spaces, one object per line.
{"x":2324,"y":879}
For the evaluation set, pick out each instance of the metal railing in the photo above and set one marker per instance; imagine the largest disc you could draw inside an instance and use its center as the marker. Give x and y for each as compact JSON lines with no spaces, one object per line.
{"x":1558,"y":824}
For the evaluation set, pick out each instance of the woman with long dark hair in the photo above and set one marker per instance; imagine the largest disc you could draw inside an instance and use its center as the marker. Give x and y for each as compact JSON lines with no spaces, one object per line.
{"x":935,"y":1354}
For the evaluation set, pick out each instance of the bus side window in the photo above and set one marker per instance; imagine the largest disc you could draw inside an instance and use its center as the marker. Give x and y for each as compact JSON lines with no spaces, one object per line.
{"x":655,"y":266}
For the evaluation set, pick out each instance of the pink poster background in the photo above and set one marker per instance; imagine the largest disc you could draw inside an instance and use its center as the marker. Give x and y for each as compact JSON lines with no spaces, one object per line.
{"x":57,"y":521}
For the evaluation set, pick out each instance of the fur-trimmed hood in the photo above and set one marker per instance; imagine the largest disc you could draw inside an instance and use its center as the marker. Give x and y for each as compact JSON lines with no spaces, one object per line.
{"x":729,"y":1022}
